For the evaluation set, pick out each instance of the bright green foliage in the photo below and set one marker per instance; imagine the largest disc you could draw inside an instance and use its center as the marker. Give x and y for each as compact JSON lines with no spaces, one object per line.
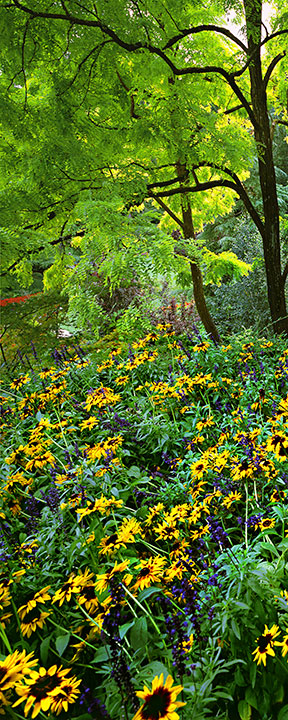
{"x":226,"y":263}
{"x":95,"y":121}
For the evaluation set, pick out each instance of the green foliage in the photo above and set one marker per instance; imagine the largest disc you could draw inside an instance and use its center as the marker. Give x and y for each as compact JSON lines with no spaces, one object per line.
{"x":71,"y":166}
{"x":226,"y":264}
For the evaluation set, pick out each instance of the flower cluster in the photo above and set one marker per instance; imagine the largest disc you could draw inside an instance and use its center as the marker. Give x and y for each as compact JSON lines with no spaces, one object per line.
{"x":138,"y":495}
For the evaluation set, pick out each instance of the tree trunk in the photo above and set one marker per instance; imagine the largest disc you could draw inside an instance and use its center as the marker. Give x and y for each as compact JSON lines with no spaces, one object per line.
{"x":271,"y":235}
{"x":188,"y":231}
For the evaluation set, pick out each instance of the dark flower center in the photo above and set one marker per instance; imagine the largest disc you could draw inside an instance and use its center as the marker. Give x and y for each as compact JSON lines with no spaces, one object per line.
{"x":144,"y":572}
{"x":111,"y":539}
{"x":43,"y":686}
{"x":156,"y":705}
{"x":3,"y":672}
{"x":89,"y":592}
{"x":264,"y":641}
{"x":169,"y":531}
{"x":32,"y":616}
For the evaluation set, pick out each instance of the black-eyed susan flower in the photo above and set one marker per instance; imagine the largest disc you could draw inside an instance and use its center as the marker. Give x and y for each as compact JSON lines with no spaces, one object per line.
{"x":89,"y":423}
{"x":22,"y":380}
{"x":101,"y":397}
{"x":128,"y":530}
{"x":167,"y":530}
{"x":242,"y":470}
{"x":153,"y":512}
{"x":103,"y":580}
{"x":39,"y":461}
{"x":39,"y":597}
{"x":68,"y":693}
{"x":278,"y":444}
{"x":277,"y":496}
{"x":151,"y":572}
{"x":72,"y":585}
{"x":13,"y":668}
{"x":122,"y":380}
{"x":160,"y":702}
{"x":188,"y":644}
{"x":198,"y":468}
{"x":109,"y":544}
{"x":31,"y":620}
{"x":179,"y":549}
{"x":266,"y":523}
{"x":40,"y":689}
{"x":265,"y":644}
{"x":232,"y":497}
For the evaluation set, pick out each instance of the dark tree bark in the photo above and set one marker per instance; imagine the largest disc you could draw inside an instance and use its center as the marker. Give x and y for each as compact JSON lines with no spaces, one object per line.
{"x":271,"y":233}
{"x":188,"y":232}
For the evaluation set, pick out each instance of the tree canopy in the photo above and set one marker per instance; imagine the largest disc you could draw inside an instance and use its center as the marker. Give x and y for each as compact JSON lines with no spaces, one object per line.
{"x":108,"y":106}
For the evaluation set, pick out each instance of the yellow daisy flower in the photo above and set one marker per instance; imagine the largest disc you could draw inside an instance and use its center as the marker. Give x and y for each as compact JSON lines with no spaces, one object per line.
{"x":160,"y":702}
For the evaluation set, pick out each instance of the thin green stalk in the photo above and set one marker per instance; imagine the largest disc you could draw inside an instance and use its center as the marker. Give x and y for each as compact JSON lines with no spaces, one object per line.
{"x":101,"y":629}
{"x":246,"y":515}
{"x":78,"y":637}
{"x":3,"y":636}
{"x":142,"y":608}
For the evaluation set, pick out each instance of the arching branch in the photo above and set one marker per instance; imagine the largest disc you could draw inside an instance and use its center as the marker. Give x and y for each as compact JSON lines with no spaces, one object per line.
{"x":271,"y":67}
{"x":233,"y":184}
{"x":132,"y":47}
{"x":205,"y":28}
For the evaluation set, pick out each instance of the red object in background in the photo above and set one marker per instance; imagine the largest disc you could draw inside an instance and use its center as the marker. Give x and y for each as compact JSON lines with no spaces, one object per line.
{"x":18,"y":299}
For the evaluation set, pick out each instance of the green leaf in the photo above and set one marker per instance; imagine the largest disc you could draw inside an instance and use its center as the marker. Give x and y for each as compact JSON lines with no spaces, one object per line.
{"x":244,"y":710}
{"x":155,"y":668}
{"x":144,"y":594}
{"x":44,"y":649}
{"x":222,"y":694}
{"x":241,"y":605}
{"x":235,"y":628}
{"x":251,"y":698}
{"x":270,"y":547}
{"x":283,"y":713}
{"x":253,"y":674}
{"x":102,"y":655}
{"x":134,"y":471}
{"x":62,"y":642}
{"x":124,"y":629}
{"x":139,"y":634}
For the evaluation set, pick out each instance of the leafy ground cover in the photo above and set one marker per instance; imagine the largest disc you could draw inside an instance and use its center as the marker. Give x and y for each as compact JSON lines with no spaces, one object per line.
{"x":144,"y":533}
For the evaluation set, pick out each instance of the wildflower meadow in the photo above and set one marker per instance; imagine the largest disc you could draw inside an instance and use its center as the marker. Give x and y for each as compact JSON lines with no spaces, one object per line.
{"x":144,"y":532}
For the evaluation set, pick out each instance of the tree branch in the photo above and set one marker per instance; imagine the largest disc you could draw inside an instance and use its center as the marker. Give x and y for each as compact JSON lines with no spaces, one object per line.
{"x":285,"y":273}
{"x":241,"y":192}
{"x":166,"y":183}
{"x":132,"y":101}
{"x":167,"y":209}
{"x":273,"y":35}
{"x":205,"y":28}
{"x":271,"y":67}
{"x":132,"y":47}
{"x":58,"y":240}
{"x":98,"y":47}
{"x":235,"y":185}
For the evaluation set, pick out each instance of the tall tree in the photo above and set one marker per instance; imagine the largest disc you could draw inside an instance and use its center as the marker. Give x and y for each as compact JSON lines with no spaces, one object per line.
{"x":124,"y":58}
